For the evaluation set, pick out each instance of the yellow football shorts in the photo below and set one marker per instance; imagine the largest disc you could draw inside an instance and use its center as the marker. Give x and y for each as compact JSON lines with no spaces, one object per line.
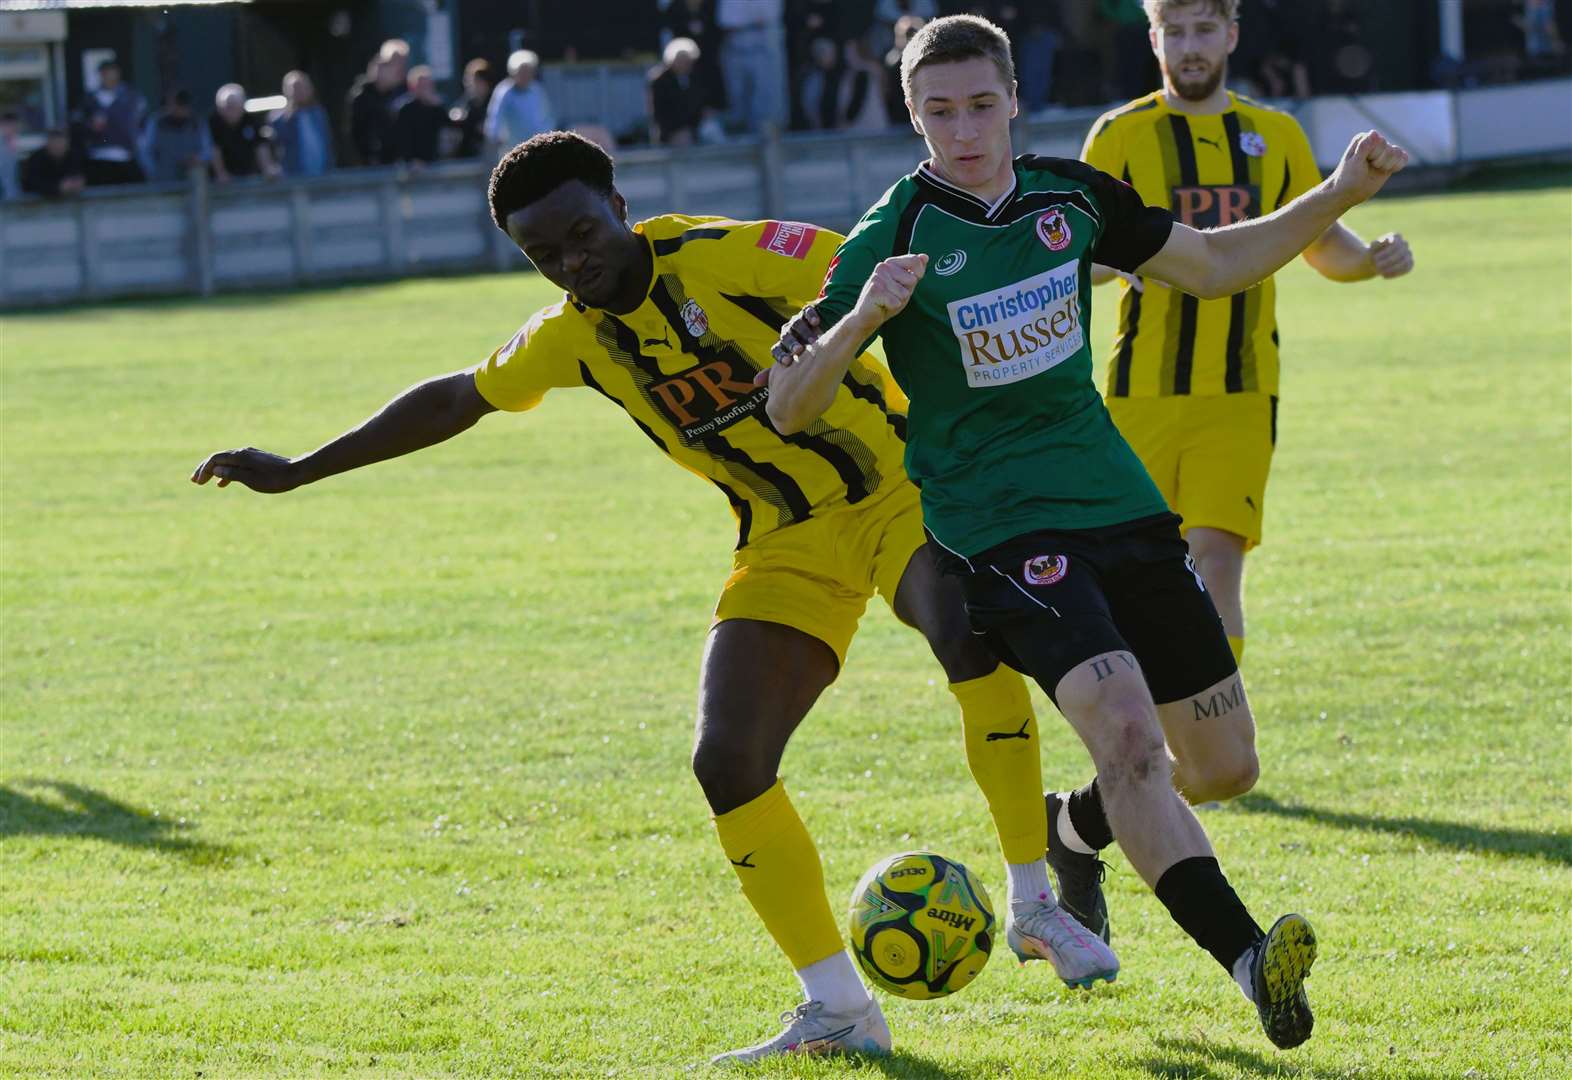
{"x":1209,"y":456}
{"x":817,"y":575}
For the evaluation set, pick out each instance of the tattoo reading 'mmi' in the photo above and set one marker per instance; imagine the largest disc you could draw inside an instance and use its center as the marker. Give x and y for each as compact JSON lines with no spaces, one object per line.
{"x":1221,"y":703}
{"x":1103,"y":666}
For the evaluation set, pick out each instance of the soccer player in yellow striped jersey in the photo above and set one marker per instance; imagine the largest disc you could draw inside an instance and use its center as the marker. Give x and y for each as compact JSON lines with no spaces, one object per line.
{"x":1193,"y":384}
{"x":670,"y":320}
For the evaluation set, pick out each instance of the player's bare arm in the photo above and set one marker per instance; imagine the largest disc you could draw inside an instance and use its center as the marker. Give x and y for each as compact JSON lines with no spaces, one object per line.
{"x":424,"y":415}
{"x":1221,"y":262}
{"x":1339,"y":254}
{"x":803,"y":386}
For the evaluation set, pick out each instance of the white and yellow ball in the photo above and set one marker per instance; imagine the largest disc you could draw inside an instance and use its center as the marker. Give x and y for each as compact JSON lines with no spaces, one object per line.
{"x":921,"y":925}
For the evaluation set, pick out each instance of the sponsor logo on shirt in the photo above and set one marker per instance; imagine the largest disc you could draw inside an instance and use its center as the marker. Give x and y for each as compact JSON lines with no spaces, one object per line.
{"x":950,"y":264}
{"x":1053,"y":229}
{"x":1213,"y":206}
{"x":789,"y":238}
{"x":706,"y":399}
{"x":1021,"y":330}
{"x":1252,"y":143}
{"x":1046,"y":569}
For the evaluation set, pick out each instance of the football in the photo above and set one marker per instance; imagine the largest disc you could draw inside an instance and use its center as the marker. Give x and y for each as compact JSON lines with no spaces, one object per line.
{"x":921,"y":925}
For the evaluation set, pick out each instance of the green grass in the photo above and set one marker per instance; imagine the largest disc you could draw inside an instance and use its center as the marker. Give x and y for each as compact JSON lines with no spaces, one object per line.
{"x":389,"y":776}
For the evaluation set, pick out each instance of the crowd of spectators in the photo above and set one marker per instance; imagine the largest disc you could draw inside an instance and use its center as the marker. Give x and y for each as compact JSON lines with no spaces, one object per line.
{"x":729,"y":69}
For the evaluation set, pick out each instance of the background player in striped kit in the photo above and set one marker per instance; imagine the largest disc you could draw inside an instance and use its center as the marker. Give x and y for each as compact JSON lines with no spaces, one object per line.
{"x":1192,"y":383}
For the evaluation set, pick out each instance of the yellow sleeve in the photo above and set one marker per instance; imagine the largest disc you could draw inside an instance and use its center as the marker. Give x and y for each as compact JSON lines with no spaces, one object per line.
{"x":781,"y":258}
{"x":1302,"y":171}
{"x":1104,"y":149}
{"x":540,"y":356}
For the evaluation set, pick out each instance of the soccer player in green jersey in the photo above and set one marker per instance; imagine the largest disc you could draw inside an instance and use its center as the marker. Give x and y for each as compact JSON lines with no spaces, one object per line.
{"x":976,"y":269}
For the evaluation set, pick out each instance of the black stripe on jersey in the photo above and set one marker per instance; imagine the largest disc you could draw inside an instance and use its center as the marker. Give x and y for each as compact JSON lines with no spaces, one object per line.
{"x":871,"y":392}
{"x":908,"y":221}
{"x":739,"y":505}
{"x":768,"y":484}
{"x":1233,"y":361}
{"x":859,"y":480}
{"x":1282,"y":192}
{"x":1189,"y":306}
{"x":1132,"y":325}
{"x":1033,"y":201}
{"x":1128,"y":110}
{"x":589,"y":381}
{"x":672,"y":243}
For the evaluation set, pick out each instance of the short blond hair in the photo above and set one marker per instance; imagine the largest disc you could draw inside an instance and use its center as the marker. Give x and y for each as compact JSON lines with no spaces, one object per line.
{"x":1155,"y":9}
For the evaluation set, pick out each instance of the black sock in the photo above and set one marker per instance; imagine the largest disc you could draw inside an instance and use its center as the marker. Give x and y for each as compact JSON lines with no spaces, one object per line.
{"x":1086,"y":814}
{"x":1205,"y":906}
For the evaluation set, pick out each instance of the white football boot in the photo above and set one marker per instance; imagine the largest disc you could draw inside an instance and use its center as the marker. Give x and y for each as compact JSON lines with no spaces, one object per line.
{"x":811,"y":1030}
{"x":1042,"y":930}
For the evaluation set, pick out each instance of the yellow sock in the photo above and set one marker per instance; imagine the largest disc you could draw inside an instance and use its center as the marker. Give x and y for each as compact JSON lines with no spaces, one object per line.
{"x":774,"y":857}
{"x":1002,"y":751}
{"x":1237,"y":645}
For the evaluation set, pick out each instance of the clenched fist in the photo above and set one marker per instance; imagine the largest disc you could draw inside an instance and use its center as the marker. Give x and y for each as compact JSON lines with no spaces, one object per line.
{"x":890,"y":287}
{"x":1368,"y":163}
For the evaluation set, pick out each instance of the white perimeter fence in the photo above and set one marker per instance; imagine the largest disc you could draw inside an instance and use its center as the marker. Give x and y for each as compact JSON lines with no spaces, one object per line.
{"x":390,"y":222}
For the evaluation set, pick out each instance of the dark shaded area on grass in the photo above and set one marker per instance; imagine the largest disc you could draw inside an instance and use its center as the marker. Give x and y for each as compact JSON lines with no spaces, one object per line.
{"x":1557,"y":847}
{"x":93,"y":814}
{"x":1197,"y":1059}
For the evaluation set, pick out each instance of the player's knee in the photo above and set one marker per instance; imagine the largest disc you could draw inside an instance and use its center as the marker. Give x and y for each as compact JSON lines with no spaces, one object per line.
{"x":1231,"y":777}
{"x":730,"y":772}
{"x":961,"y":653}
{"x":1131,"y":750}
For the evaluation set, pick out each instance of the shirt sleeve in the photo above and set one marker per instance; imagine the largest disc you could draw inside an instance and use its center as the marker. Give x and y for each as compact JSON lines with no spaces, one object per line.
{"x":539,"y":357}
{"x":869,"y":244}
{"x":1300,"y":170}
{"x":782,"y":258}
{"x":1131,"y":232}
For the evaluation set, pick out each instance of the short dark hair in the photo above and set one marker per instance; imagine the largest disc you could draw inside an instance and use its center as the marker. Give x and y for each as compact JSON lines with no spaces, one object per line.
{"x":954,"y":38}
{"x":540,"y":165}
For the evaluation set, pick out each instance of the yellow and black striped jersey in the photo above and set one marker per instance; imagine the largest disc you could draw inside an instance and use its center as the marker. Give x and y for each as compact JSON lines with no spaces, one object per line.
{"x":1244,"y":162}
{"x":682,"y":366}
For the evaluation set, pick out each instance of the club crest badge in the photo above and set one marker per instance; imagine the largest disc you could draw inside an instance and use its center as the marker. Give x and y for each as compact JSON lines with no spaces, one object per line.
{"x":1054,"y":230}
{"x":1252,"y":143}
{"x":694,"y":319}
{"x":1046,"y":569}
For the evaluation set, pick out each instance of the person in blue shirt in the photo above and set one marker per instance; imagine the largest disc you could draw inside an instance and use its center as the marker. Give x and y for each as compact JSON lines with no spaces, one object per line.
{"x":301,"y":131}
{"x":519,"y":107}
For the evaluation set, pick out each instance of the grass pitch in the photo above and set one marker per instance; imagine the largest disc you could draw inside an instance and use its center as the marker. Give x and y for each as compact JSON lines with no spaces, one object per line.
{"x":388,"y":776}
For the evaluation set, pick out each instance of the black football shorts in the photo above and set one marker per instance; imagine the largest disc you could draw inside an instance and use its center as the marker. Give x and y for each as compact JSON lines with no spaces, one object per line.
{"x":1048,"y":601}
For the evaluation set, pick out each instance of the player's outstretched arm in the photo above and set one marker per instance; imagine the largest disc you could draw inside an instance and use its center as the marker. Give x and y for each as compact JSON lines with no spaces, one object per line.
{"x":803,"y":380}
{"x":1340,"y":255}
{"x":1221,"y":262}
{"x":424,"y":415}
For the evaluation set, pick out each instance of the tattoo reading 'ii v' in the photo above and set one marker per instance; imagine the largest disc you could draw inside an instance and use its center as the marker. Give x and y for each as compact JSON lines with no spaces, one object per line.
{"x":1103,"y":668}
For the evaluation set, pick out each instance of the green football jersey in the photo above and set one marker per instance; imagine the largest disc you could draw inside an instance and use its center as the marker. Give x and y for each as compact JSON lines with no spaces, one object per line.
{"x":1006,"y":433}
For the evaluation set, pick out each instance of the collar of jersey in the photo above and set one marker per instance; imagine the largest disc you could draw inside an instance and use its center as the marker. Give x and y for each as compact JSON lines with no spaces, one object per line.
{"x":990,"y":210}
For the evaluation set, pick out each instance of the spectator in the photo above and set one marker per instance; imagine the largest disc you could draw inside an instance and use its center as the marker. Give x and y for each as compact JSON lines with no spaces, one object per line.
{"x":111,"y":118}
{"x":887,"y":13}
{"x":1132,"y":64}
{"x":819,"y":88}
{"x":1541,"y":36}
{"x":753,"y":63}
{"x":10,"y":164}
{"x":695,"y":20}
{"x":238,"y":146}
{"x":53,"y":169}
{"x":861,"y":104}
{"x":418,"y":119}
{"x":519,"y":107}
{"x":468,"y":114}
{"x":371,"y":111}
{"x":681,"y":109}
{"x":1037,"y":44}
{"x":894,"y":95}
{"x":174,"y":141}
{"x":300,"y":132}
